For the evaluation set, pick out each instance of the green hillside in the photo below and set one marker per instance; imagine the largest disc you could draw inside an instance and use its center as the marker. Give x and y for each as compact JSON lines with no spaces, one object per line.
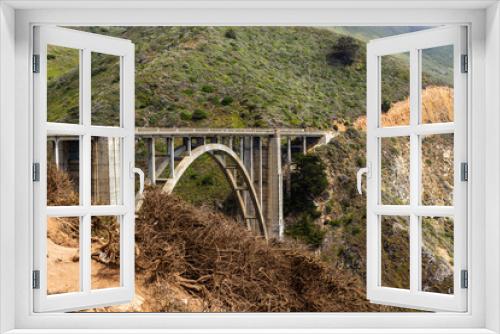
{"x":436,"y":61}
{"x":366,"y":33}
{"x":232,"y":77}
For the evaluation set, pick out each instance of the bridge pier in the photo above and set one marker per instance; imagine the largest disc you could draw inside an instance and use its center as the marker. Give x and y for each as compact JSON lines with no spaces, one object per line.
{"x":56,"y":152}
{"x":151,"y":149}
{"x":187,"y":143}
{"x":171,"y":156}
{"x":260,"y":162}
{"x":288,"y":175}
{"x":247,"y":154}
{"x":274,"y":219}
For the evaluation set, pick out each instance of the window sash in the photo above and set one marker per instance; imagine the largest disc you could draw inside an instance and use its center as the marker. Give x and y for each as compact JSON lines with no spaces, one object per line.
{"x":413,"y":43}
{"x":86,"y":43}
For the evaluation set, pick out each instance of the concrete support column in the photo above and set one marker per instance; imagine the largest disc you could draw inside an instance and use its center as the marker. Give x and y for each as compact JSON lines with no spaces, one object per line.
{"x":171,"y":154}
{"x":56,"y":152}
{"x":188,"y":145}
{"x":242,"y":148}
{"x":247,"y":153}
{"x":114,"y":159}
{"x":100,"y":170}
{"x":150,"y":144}
{"x":288,"y":166}
{"x":288,"y":150}
{"x":304,"y":145}
{"x":275,"y":222}
{"x":260,"y":172}
{"x":230,"y":143}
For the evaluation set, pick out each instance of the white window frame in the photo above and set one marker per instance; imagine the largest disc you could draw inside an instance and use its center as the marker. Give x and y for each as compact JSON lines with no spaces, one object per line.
{"x":85,"y":44}
{"x":16,"y":21}
{"x":414,"y":44}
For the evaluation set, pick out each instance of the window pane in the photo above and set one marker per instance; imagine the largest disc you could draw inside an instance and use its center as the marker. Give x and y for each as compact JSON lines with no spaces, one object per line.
{"x":395,"y":170}
{"x":437,"y":254}
{"x":437,"y":170}
{"x":105,"y":89}
{"x":437,"y":84}
{"x":395,"y":90}
{"x":63,"y":84}
{"x":63,"y":255}
{"x":105,"y":252}
{"x":106,"y":171}
{"x":395,"y":259}
{"x":63,"y":170}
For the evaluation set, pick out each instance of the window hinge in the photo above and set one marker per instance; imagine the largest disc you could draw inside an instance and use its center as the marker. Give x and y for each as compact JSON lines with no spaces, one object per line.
{"x":465,"y":64}
{"x":36,"y":63}
{"x":464,"y":279}
{"x":36,"y":172}
{"x":36,"y":279}
{"x":464,"y":171}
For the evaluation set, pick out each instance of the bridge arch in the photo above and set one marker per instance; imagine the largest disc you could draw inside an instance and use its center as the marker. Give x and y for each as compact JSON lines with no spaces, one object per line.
{"x":214,"y":151}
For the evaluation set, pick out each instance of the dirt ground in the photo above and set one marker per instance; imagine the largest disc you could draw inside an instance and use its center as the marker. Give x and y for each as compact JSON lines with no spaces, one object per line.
{"x":64,"y":270}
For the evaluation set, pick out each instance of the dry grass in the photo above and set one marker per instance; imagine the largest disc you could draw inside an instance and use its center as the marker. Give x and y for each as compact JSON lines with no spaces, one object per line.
{"x":437,"y":107}
{"x":60,"y":188}
{"x":61,"y":191}
{"x":230,"y":270}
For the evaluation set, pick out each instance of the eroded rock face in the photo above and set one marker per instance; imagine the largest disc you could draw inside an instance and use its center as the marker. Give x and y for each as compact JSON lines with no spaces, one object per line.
{"x":343,"y":213}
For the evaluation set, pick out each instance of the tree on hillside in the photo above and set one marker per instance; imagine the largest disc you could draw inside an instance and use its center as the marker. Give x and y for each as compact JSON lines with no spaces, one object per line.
{"x":308,"y":182}
{"x":345,"y":51}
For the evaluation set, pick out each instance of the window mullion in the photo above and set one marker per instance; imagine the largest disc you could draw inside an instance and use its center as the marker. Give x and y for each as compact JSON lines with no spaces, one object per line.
{"x":85,"y":181}
{"x":414,"y":170}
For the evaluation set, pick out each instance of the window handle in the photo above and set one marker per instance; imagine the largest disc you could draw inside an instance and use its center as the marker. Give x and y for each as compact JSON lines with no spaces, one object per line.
{"x":359,"y":176}
{"x":139,"y":172}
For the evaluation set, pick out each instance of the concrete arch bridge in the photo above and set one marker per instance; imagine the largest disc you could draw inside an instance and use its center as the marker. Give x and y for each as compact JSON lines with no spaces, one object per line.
{"x":254,"y":161}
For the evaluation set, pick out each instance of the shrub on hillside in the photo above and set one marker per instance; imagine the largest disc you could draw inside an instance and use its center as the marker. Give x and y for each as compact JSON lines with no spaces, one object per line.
{"x":207,"y":89}
{"x":345,"y":51}
{"x":305,"y":230}
{"x":186,"y":116}
{"x":230,"y":33}
{"x":386,"y":105}
{"x":226,"y":100}
{"x":308,"y":182}
{"x":199,"y":115}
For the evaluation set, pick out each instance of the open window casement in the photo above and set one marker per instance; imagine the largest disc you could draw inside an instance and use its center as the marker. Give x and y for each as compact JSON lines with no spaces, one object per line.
{"x":417,"y":171}
{"x":83,"y":139}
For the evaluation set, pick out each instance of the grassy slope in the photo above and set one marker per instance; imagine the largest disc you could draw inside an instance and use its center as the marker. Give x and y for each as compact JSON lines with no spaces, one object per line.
{"x":366,"y":33}
{"x":265,"y":76}
{"x":206,"y":175}
{"x":435,"y":60}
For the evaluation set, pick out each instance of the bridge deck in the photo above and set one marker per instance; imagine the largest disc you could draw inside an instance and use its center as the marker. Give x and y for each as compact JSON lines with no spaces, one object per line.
{"x":146,"y":132}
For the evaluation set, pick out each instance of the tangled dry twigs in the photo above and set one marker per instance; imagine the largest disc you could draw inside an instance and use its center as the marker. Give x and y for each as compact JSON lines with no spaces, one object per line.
{"x":214,"y":259}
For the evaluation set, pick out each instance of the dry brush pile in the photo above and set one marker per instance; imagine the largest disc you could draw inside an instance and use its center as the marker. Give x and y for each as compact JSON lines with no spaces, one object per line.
{"x":197,"y":252}
{"x":61,"y":190}
{"x":217,"y":261}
